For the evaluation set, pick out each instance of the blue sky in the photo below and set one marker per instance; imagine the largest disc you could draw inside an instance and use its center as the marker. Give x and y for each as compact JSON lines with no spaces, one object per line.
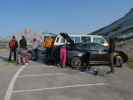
{"x":59,"y":15}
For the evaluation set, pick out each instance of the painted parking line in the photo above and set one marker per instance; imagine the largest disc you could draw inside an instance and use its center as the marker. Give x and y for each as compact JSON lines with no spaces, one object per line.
{"x":43,"y":66}
{"x":40,"y":75}
{"x":63,"y":87}
{"x":12,"y":83}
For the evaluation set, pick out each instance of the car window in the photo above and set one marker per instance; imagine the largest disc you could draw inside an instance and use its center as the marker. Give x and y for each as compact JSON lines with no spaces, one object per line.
{"x":76,"y":39}
{"x":90,"y":46}
{"x":98,"y":47}
{"x":62,"y":40}
{"x":81,"y":46}
{"x":86,"y":39}
{"x":95,"y":46}
{"x":98,"y":40}
{"x":57,"y":39}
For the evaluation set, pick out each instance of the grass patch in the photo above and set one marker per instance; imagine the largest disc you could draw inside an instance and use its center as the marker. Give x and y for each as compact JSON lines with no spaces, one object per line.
{"x":7,"y":64}
{"x":13,"y":62}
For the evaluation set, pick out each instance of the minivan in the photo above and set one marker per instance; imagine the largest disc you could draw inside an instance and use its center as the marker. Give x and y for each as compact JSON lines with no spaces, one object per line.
{"x":81,"y":38}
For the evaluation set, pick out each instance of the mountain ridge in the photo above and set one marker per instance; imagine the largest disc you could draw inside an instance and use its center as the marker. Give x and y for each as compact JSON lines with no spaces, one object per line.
{"x":121,"y":28}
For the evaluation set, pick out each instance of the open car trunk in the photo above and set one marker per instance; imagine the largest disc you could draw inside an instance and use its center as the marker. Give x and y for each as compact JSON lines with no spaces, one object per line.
{"x":67,"y":38}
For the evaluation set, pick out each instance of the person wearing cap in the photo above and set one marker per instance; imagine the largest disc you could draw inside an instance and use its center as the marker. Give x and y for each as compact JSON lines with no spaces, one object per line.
{"x":64,"y":52}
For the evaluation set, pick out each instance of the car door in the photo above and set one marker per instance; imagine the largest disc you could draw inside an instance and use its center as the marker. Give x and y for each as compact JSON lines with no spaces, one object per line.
{"x":98,"y":52}
{"x":93,"y":52}
{"x":76,"y":50}
{"x":103,"y":53}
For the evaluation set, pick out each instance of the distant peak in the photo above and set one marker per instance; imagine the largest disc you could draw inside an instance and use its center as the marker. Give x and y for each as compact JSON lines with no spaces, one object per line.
{"x":130,"y":12}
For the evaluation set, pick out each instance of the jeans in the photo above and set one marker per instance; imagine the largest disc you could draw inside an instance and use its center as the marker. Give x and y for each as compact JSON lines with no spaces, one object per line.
{"x":12,"y":51}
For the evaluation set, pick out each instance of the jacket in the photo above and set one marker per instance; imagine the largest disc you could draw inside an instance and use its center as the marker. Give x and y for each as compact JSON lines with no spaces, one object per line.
{"x":23,"y":43}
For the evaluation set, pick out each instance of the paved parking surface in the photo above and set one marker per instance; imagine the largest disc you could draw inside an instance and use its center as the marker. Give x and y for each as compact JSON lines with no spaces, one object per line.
{"x":40,"y":79}
{"x":41,"y":82}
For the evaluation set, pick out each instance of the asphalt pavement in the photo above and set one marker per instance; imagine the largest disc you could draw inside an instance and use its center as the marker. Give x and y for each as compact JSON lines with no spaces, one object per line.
{"x":38,"y":81}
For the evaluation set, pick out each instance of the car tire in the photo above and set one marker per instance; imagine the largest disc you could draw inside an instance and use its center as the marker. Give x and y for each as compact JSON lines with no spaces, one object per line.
{"x":84,"y":66}
{"x":119,"y":61}
{"x":76,"y":62}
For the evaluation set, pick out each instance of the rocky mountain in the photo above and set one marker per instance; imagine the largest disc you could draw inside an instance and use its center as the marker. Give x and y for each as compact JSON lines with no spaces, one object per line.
{"x":122,"y":29}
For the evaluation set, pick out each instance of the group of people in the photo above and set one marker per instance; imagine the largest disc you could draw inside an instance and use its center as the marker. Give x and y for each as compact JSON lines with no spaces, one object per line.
{"x":58,"y":54}
{"x":16,"y":47}
{"x":55,"y":54}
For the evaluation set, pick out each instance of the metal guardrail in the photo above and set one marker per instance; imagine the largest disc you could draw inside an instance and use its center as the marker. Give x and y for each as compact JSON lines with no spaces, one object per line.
{"x":5,"y":45}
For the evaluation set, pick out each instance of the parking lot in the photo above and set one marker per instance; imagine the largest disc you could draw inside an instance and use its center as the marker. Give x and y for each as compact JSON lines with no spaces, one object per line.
{"x":41,"y":82}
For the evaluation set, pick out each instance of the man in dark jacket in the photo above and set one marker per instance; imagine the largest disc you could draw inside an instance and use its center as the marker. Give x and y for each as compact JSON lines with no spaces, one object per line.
{"x":23,"y":43}
{"x":13,"y":45}
{"x":23,"y":51}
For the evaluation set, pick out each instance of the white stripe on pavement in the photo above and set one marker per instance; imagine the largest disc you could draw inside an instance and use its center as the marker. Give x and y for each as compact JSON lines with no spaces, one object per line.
{"x":44,"y":66}
{"x":39,"y":75}
{"x":12,"y":83}
{"x":63,"y":87}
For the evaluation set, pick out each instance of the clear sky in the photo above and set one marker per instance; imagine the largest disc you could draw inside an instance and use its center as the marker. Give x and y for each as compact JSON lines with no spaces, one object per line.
{"x":59,"y":15}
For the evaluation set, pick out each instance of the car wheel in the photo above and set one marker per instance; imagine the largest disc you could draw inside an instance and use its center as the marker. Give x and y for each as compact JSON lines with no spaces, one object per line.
{"x":84,"y":66}
{"x":76,"y":63}
{"x":119,"y":61}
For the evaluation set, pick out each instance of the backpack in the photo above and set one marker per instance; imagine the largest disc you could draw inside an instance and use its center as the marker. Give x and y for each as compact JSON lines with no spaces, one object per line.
{"x":13,"y":44}
{"x":49,"y":43}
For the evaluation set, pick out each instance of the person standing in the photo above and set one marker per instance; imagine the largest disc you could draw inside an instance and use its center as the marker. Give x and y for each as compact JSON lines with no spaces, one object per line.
{"x":56,"y":55}
{"x":23,"y":43}
{"x":111,"y":51}
{"x":49,"y":44}
{"x":23,"y":50}
{"x":63,"y":55}
{"x":35,"y":46}
{"x":13,"y":45}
